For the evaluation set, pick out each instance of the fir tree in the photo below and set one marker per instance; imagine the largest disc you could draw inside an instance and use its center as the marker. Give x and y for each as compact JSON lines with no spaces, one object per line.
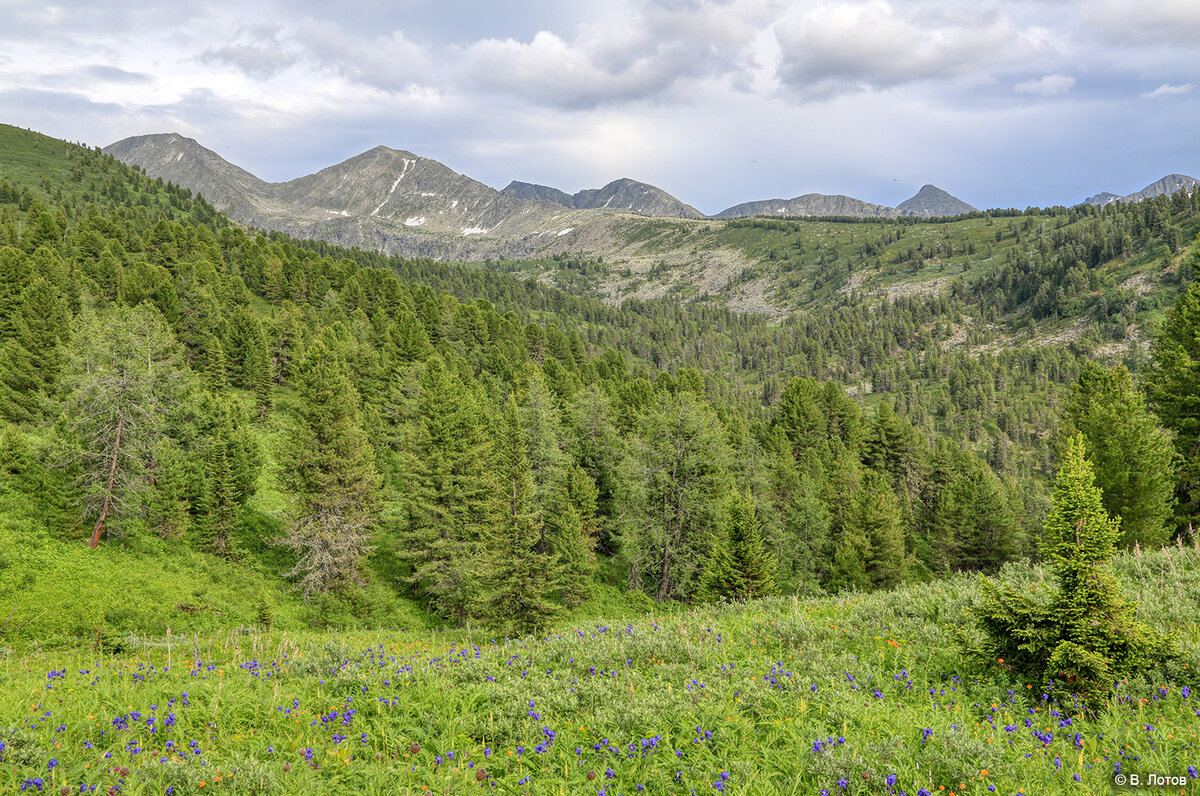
{"x":449,"y":470}
{"x":802,"y":546}
{"x":166,"y":505}
{"x":1130,"y":454}
{"x":31,"y":360}
{"x":877,"y":520}
{"x":520,"y":577}
{"x":738,"y":566}
{"x":683,"y":471}
{"x":718,"y":580}
{"x":1087,"y":636}
{"x":1173,"y":385}
{"x":330,"y":469}
{"x":754,"y":567}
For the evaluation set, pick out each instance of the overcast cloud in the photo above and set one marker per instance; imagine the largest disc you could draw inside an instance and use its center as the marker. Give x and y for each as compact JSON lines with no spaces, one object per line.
{"x":1002,"y":103}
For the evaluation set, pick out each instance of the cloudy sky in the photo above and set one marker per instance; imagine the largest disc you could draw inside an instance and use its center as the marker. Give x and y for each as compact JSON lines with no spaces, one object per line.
{"x":1001,"y":102}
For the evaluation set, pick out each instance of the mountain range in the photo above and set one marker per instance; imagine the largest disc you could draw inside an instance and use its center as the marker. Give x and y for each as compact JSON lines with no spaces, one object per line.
{"x":623,"y":194}
{"x":398,"y":202}
{"x":401,"y":203}
{"x":1172,"y":183}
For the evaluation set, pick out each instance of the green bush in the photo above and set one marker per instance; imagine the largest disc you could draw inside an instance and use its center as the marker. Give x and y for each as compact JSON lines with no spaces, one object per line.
{"x":1086,"y":637}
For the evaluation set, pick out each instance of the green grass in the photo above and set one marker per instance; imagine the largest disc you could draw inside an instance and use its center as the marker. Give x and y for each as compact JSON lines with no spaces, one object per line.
{"x":780,"y":696}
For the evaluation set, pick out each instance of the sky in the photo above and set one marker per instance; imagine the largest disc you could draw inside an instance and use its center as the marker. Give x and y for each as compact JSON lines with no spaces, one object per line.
{"x":1003,"y":103}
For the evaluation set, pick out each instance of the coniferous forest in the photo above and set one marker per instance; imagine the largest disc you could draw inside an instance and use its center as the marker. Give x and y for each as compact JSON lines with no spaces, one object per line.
{"x":206,"y":427}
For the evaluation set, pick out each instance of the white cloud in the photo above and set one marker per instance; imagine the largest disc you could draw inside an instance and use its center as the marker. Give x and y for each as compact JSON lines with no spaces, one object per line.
{"x":841,"y":47}
{"x":640,"y":49}
{"x":698,"y":96}
{"x":1169,"y":90}
{"x":1046,"y":86}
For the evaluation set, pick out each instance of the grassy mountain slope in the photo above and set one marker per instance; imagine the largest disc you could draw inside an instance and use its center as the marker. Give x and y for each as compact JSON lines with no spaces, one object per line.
{"x":938,"y":356}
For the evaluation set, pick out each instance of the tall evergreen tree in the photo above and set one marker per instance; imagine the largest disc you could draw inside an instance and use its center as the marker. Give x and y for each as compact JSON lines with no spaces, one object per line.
{"x":520,"y":578}
{"x":30,"y":361}
{"x":166,"y":504}
{"x":122,"y":380}
{"x":1130,"y":454}
{"x":753,"y":566}
{"x":877,"y":519}
{"x":802,"y":544}
{"x":451,"y":493}
{"x":1173,"y":384}
{"x":329,"y":467}
{"x":601,"y":452}
{"x":683,"y":470}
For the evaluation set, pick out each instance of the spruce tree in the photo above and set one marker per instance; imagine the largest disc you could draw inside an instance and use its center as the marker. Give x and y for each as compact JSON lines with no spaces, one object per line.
{"x":166,"y":505}
{"x":802,"y":545}
{"x":329,"y":467}
{"x":520,"y":578}
{"x":877,"y":519}
{"x":682,"y":470}
{"x":451,"y":493}
{"x":31,"y":360}
{"x":601,"y":452}
{"x":1130,"y":454}
{"x":738,"y":566}
{"x":718,"y":580}
{"x":1087,"y":636}
{"x":754,"y":567}
{"x":1173,"y":385}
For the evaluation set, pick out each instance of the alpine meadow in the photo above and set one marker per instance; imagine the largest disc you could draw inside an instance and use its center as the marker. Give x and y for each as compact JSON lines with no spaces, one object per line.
{"x":297,"y":496}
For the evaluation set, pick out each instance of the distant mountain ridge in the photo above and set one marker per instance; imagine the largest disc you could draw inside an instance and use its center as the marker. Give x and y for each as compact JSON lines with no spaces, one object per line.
{"x":929,"y":202}
{"x":623,"y":194}
{"x":398,"y":202}
{"x":1170,"y":184}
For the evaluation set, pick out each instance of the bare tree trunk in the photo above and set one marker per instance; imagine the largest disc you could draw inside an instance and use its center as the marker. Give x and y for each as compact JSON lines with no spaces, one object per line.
{"x":112,"y":475}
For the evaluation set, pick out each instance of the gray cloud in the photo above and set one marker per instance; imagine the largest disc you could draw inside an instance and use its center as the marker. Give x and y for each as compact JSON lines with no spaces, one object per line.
{"x":847,"y":47}
{"x":1147,"y":22}
{"x":256,"y":51}
{"x":113,"y":74}
{"x":644,"y":51}
{"x":719,"y":100}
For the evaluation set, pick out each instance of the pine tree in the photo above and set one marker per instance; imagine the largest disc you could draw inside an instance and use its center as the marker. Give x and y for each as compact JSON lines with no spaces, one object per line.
{"x":520,"y":577}
{"x":330,"y":469}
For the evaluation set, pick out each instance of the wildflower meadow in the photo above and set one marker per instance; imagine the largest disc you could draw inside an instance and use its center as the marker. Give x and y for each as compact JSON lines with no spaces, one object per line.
{"x":859,"y":694}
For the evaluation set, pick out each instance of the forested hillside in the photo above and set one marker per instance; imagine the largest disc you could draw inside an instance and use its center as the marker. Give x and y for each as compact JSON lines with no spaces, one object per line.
{"x":201,"y":418}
